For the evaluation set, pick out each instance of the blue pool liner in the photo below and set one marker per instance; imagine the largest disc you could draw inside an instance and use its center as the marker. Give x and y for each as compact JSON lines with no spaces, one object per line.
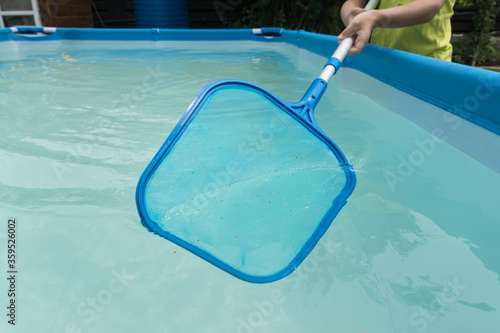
{"x":468,"y":92}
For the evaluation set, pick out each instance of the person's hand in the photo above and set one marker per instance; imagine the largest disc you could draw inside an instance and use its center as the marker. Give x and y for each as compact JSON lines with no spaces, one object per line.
{"x":361,"y":23}
{"x":353,"y":13}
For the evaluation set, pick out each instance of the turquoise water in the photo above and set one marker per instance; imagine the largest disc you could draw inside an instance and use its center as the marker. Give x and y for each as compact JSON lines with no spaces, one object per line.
{"x":414,"y":250}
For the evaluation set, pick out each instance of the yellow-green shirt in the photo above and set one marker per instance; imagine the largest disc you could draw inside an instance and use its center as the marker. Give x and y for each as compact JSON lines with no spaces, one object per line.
{"x":430,"y":39}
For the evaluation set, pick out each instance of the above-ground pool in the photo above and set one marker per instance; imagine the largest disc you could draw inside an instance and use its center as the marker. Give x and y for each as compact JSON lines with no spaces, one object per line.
{"x":82,"y":113}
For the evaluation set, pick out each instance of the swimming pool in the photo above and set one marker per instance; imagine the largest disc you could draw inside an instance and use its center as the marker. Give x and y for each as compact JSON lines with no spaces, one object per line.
{"x":84,"y":111}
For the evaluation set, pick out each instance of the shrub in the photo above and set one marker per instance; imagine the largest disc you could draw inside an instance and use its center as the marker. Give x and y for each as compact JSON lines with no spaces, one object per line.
{"x":479,"y":45}
{"x":322,"y":16}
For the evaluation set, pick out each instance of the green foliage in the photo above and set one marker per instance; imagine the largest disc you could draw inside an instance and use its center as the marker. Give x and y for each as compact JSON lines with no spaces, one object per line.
{"x":322,"y":16}
{"x":479,"y":45}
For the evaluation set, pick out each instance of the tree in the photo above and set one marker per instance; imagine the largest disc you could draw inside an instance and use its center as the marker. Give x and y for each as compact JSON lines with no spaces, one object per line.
{"x":479,"y":45}
{"x":322,"y":16}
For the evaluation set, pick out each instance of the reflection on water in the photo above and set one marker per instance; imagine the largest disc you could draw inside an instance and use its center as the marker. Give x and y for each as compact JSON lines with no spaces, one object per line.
{"x":417,"y":256}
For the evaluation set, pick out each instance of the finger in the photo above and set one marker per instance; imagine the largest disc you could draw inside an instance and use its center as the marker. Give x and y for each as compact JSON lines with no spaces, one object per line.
{"x":358,"y":46}
{"x":346,"y":33}
{"x":354,"y":51}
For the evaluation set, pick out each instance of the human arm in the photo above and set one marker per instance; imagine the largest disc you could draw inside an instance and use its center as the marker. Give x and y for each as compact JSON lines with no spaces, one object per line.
{"x":360,"y":22}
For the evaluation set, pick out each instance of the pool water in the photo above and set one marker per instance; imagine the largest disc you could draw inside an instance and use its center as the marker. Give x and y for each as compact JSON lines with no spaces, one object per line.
{"x":414,"y":250}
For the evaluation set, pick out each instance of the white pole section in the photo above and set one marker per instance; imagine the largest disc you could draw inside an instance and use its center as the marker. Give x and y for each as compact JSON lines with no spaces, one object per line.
{"x":341,"y":51}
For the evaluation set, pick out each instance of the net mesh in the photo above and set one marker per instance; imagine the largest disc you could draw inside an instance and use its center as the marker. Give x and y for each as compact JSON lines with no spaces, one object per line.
{"x":246,"y":183}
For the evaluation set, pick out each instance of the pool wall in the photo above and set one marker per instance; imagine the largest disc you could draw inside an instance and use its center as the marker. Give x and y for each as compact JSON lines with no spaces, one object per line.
{"x":468,"y":92}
